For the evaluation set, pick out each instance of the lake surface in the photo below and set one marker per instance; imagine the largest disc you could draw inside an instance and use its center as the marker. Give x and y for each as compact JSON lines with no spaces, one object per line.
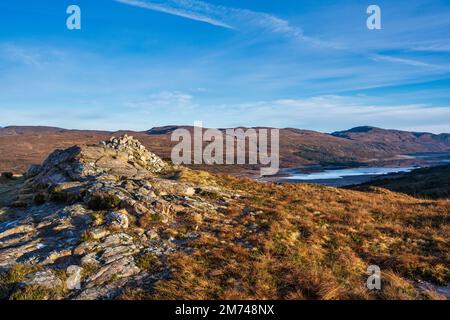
{"x":351,"y":172}
{"x":340,"y":177}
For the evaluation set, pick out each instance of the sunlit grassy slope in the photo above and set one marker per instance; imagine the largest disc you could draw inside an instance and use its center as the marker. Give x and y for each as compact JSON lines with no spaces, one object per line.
{"x":297,"y":241}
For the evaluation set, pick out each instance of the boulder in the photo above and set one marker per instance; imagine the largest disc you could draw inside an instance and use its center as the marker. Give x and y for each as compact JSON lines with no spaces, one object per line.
{"x":73,"y":281}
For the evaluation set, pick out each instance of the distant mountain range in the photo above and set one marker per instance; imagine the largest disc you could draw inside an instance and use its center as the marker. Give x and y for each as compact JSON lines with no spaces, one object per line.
{"x":21,"y":146}
{"x":396,"y":140}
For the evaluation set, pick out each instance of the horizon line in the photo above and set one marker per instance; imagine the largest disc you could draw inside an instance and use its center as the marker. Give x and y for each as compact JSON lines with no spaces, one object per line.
{"x":219,"y":128}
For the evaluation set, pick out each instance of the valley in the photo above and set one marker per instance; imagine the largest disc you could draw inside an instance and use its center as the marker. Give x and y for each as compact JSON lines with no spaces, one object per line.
{"x":342,"y":176}
{"x":21,"y":147}
{"x":112,"y":220}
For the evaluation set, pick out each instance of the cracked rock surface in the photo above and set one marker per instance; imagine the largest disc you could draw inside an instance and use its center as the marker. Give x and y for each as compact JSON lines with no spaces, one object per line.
{"x":87,"y":218}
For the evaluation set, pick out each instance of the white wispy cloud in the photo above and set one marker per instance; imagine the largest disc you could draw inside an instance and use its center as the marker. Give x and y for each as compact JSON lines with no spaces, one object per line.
{"x":410,"y":62}
{"x":163,"y":99}
{"x":333,"y":112}
{"x":29,"y":57}
{"x":324,"y":113}
{"x":201,"y":12}
{"x":443,"y":47}
{"x":228,"y":17}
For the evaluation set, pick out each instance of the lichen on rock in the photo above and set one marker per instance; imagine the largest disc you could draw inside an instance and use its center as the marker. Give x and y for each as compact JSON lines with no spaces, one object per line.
{"x":83,"y":214}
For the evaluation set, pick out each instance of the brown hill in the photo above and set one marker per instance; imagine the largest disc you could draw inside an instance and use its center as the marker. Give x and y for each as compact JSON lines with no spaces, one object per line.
{"x":113,"y":221}
{"x":396,"y":141}
{"x":22,"y":146}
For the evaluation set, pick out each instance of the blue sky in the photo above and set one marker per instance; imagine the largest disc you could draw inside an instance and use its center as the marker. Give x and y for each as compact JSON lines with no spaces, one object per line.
{"x":136,"y":64}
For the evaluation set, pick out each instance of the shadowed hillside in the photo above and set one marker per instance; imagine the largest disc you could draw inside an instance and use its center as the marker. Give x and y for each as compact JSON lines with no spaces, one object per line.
{"x":433,"y":183}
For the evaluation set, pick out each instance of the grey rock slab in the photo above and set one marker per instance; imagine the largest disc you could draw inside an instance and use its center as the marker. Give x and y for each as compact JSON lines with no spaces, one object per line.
{"x":121,"y":268}
{"x":45,"y":279}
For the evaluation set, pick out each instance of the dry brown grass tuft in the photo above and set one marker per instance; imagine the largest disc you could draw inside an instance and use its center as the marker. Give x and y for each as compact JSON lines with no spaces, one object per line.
{"x":295,"y":241}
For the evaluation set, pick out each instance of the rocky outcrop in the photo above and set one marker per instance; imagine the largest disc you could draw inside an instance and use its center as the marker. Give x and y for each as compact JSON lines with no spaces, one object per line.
{"x":118,"y":157}
{"x":91,"y":213}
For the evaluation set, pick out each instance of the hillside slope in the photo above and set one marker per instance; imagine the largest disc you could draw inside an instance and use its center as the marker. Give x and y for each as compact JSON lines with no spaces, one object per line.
{"x":123,"y":224}
{"x":22,"y":146}
{"x":433,"y":183}
{"x":396,"y":141}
